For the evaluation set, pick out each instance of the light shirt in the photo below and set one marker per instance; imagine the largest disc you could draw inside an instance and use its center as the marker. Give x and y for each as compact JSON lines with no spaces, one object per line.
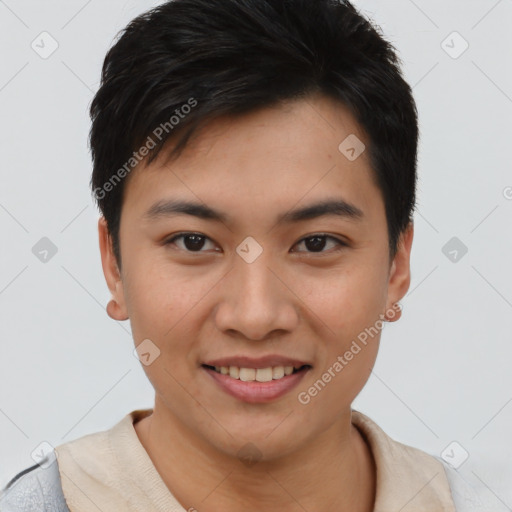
{"x":111,"y":471}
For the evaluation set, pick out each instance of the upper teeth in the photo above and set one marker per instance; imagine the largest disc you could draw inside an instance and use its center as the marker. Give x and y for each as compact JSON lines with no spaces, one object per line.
{"x":255,"y":374}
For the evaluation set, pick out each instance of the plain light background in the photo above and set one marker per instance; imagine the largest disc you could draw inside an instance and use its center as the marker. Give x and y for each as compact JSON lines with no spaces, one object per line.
{"x":443,"y":371}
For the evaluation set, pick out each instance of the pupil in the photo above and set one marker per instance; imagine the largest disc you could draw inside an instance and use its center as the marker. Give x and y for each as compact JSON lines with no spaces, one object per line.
{"x":198,"y":242}
{"x":318,"y":245}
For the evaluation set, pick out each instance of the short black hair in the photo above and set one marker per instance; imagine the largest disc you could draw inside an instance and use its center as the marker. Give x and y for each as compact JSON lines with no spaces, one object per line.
{"x":186,"y":62}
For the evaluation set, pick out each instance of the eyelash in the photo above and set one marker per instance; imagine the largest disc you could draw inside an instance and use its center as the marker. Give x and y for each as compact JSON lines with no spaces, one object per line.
{"x":316,"y":235}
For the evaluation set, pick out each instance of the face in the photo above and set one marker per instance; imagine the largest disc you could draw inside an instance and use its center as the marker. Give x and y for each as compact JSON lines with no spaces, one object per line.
{"x":253,"y":277}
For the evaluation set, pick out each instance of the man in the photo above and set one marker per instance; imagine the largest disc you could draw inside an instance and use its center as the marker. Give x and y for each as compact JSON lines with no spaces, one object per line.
{"x":255,"y":167}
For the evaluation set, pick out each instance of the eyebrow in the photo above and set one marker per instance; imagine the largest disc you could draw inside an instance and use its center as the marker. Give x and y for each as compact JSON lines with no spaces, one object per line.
{"x":336,"y":207}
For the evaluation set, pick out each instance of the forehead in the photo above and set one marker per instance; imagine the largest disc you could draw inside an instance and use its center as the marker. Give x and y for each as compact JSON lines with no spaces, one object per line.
{"x":272,"y":157}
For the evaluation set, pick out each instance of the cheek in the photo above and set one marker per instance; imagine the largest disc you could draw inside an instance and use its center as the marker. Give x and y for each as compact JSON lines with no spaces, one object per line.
{"x":161,"y":307}
{"x":348,"y":301}
{"x":158,"y":295}
{"x":348,"y":309}
{"x":166,"y":306}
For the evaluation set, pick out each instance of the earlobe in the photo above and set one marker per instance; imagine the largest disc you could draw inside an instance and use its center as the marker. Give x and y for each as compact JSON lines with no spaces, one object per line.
{"x":116,"y":308}
{"x":394,"y":313}
{"x":114,"y":311}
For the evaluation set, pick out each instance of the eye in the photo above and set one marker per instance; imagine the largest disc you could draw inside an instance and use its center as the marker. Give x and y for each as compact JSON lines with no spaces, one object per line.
{"x":318,"y":242}
{"x":191,"y":242}
{"x":195,"y":242}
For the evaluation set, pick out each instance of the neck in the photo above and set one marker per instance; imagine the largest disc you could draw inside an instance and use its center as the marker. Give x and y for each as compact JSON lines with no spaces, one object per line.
{"x":335,"y":471}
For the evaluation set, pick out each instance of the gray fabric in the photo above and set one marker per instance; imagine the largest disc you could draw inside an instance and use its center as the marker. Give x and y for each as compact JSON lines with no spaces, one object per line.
{"x":465,"y":496}
{"x":36,"y":489}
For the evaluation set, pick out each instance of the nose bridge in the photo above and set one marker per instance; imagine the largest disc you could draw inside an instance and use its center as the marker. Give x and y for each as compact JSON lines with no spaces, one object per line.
{"x":254,"y":301}
{"x":256,"y":281}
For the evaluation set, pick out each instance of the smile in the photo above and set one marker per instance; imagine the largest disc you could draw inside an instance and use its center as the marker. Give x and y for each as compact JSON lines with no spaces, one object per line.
{"x":256,"y":385}
{"x":256,"y":374}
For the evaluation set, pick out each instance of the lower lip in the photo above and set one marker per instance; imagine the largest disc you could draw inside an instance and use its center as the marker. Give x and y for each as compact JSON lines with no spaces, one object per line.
{"x":257,"y":392}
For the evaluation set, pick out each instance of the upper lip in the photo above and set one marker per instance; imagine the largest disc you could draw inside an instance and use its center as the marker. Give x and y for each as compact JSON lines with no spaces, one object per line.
{"x":259,"y":362}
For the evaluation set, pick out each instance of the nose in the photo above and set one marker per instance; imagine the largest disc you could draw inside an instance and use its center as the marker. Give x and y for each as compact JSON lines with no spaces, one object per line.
{"x":256,"y":301}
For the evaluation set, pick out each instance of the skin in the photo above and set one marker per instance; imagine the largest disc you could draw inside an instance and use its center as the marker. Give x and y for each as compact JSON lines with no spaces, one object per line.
{"x":290,"y":301}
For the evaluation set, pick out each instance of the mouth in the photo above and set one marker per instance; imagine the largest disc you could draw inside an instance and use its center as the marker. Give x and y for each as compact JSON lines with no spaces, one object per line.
{"x":256,"y":381}
{"x":267,"y":374}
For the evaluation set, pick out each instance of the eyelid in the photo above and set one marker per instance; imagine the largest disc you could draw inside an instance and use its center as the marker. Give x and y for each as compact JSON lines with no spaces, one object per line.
{"x":173,"y":238}
{"x":341,"y":243}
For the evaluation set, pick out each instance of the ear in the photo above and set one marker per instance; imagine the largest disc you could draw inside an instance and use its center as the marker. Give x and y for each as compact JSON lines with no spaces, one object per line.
{"x":116,"y":308}
{"x":400,"y":272}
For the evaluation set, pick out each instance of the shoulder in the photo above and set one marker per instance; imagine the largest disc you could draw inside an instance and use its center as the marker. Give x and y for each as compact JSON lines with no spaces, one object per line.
{"x":35,"y":489}
{"x":466,"y":497}
{"x":401,"y":466}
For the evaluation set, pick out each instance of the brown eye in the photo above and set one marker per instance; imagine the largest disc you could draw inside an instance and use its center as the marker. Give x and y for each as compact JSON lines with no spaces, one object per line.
{"x":317,"y":243}
{"x":190,"y":242}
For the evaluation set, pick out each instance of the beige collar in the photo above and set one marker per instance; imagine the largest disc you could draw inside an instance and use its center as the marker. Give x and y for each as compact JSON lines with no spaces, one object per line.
{"x":408,"y":479}
{"x":111,"y":470}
